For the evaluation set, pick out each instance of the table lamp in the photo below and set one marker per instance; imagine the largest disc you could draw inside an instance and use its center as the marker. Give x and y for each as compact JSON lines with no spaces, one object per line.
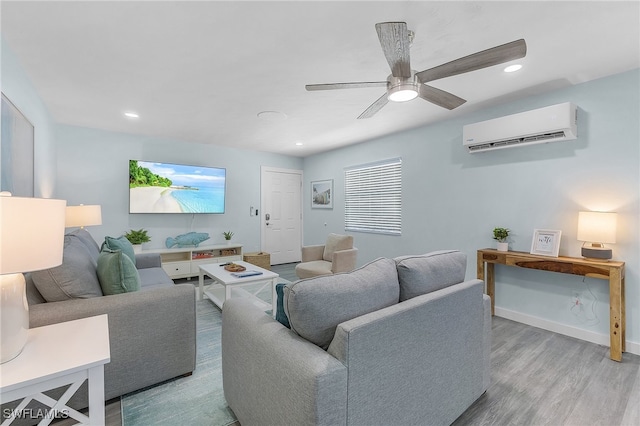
{"x":595,"y":229}
{"x":83,"y":216}
{"x":31,"y":238}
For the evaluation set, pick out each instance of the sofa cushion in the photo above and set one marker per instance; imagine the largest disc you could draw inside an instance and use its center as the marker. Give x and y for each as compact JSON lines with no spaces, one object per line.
{"x":315,"y":306}
{"x":75,"y":278}
{"x":336,"y":242}
{"x":117,"y":273}
{"x":154,"y":278}
{"x":120,"y":243}
{"x":88,"y":241}
{"x":421,"y":274}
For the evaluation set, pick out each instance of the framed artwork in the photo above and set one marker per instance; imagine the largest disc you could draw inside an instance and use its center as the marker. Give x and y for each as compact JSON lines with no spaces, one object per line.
{"x":322,"y":194}
{"x":16,"y":151}
{"x":546,"y":242}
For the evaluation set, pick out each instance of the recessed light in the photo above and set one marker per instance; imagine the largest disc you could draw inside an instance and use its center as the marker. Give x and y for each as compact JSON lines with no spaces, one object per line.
{"x":299,"y":144}
{"x":513,"y":68}
{"x":130,"y":114}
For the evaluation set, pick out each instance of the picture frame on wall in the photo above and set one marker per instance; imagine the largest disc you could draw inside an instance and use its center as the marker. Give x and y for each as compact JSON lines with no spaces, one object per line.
{"x":546,"y":242}
{"x":16,"y":151}
{"x":322,"y":194}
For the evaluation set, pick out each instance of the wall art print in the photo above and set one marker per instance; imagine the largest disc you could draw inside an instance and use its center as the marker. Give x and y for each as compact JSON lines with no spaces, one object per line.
{"x":322,"y":194}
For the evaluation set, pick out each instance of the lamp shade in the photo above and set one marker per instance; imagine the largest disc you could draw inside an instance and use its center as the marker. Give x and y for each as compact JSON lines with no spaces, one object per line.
{"x":31,"y":233}
{"x":31,"y":238}
{"x":83,"y":216}
{"x":597,"y":227}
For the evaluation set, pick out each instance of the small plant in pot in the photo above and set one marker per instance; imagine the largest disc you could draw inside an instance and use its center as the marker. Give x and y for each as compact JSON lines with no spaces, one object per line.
{"x":228,"y":235}
{"x":137,"y":238}
{"x":501,"y":235}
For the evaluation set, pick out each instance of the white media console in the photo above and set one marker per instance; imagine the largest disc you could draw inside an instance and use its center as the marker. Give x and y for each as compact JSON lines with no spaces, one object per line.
{"x":184,"y":262}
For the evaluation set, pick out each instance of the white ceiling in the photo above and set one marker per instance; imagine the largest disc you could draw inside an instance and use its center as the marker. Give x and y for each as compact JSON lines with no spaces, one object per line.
{"x":202,"y":71}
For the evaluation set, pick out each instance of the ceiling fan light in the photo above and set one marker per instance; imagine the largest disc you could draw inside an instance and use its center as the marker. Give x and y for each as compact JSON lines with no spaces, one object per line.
{"x":402,"y":94}
{"x":513,"y":68}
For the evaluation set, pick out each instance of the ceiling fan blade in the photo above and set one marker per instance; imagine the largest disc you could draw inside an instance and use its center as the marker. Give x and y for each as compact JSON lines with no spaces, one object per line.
{"x":333,"y":86}
{"x":394,"y":39}
{"x":375,"y":107}
{"x":486,"y":58}
{"x":440,"y":97}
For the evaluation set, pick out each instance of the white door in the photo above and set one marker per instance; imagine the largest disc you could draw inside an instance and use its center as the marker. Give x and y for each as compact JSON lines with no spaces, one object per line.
{"x":281,"y":216}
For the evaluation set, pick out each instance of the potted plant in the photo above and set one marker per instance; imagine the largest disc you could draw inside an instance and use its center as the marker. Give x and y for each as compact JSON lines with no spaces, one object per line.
{"x":501,"y":235}
{"x":136,"y":238}
{"x":228,"y":235}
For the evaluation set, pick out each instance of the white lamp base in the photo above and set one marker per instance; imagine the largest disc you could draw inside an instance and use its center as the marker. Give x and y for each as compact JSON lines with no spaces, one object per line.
{"x":14,"y":315}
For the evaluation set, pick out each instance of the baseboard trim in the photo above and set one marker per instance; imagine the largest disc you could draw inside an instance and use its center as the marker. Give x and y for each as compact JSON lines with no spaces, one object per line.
{"x":567,"y":330}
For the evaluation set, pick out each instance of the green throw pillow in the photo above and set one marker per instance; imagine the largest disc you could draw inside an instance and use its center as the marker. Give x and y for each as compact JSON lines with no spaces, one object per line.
{"x":120,"y":243}
{"x":117,"y":273}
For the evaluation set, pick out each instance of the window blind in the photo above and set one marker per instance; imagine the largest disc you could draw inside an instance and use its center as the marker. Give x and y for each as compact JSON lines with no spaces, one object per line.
{"x":373,"y":197}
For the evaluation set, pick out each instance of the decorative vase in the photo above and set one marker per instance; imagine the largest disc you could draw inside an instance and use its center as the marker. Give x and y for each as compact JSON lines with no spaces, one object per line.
{"x":137,"y":248}
{"x":503,"y":246}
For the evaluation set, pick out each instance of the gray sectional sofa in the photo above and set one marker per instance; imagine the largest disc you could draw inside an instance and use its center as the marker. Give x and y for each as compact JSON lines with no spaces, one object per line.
{"x":402,"y":341}
{"x":152,"y":332}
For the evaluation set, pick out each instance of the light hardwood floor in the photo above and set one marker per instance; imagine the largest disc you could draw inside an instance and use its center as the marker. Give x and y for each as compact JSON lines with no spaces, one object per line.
{"x":543,"y":378}
{"x":539,"y":378}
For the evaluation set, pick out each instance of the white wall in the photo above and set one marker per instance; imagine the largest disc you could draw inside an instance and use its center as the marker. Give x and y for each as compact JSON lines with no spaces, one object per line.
{"x":93,"y":168}
{"x":18,"y":89}
{"x":452,"y":199}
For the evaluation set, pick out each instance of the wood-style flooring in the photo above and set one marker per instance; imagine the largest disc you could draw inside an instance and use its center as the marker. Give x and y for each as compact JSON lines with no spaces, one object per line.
{"x":538,"y":378}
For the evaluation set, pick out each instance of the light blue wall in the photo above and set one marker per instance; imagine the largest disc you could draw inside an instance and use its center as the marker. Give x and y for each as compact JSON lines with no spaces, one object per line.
{"x":93,"y":168}
{"x":452,"y":199}
{"x":18,"y":89}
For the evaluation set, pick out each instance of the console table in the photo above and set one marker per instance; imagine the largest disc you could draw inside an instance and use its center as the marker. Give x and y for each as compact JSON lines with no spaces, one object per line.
{"x":612,"y":271}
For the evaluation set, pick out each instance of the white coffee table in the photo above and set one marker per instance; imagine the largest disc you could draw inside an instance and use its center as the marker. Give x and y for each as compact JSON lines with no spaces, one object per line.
{"x":227,"y":286}
{"x":57,"y":355}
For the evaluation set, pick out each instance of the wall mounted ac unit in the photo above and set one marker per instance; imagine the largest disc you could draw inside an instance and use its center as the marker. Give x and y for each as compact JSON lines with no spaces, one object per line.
{"x":550,"y":124}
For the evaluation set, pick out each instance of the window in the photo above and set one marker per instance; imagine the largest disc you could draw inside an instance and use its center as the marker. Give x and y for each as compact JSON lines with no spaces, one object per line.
{"x":373,"y":197}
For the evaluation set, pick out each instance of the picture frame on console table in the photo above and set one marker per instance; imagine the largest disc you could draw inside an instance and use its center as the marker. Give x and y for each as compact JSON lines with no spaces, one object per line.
{"x":546,"y":242}
{"x":322,"y":194}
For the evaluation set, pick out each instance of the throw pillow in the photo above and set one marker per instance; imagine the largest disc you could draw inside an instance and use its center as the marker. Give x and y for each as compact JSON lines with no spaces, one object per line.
{"x":315,"y":306}
{"x":75,"y":278}
{"x":117,"y":273}
{"x":429,"y":272}
{"x":336,"y":242}
{"x":120,"y":243}
{"x":281,"y":315}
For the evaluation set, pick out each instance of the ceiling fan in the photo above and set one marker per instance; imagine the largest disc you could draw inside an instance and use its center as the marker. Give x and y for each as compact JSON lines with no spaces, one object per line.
{"x":405,"y":84}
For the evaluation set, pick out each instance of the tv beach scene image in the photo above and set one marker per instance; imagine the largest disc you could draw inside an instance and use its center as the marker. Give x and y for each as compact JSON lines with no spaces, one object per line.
{"x":175,"y":188}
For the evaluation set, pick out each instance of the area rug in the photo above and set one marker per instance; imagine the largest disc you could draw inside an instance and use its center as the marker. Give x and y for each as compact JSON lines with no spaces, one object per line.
{"x":194,"y":400}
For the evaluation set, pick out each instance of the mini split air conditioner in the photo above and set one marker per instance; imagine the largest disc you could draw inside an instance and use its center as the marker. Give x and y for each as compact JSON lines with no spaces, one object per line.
{"x":550,"y":124}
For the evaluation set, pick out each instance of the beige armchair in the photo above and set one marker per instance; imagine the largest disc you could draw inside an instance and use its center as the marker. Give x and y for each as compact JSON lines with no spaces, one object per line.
{"x":337,"y":255}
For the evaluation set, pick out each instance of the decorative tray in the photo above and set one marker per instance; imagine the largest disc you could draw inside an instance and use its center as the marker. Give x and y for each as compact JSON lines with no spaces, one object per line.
{"x":232,"y":267}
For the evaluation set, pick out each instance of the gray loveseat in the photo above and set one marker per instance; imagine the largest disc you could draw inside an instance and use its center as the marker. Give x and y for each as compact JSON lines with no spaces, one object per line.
{"x":402,"y":341}
{"x":152,"y":332}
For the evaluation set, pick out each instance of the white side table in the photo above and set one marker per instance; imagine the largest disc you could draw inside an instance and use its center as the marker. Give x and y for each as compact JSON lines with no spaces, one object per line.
{"x":57,"y":355}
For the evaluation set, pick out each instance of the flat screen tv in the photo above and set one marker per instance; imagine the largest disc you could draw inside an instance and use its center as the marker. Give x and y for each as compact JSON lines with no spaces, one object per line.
{"x":175,"y":188}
